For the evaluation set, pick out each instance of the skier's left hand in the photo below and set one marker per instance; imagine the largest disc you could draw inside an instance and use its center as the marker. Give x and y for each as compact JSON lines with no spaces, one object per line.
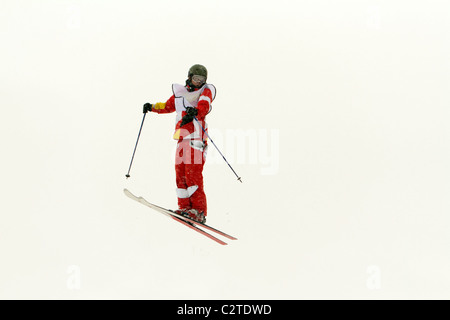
{"x":190,"y":114}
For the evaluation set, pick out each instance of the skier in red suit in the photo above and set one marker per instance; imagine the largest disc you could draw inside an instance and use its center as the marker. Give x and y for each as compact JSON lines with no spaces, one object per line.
{"x":191,"y":102}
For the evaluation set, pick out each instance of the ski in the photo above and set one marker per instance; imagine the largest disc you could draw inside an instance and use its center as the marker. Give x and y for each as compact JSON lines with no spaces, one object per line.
{"x":194,"y":225}
{"x":198,"y":230}
{"x":172,"y":213}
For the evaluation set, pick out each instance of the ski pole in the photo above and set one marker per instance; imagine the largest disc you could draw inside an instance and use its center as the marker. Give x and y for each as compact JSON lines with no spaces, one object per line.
{"x":239,"y":178}
{"x":140,"y":129}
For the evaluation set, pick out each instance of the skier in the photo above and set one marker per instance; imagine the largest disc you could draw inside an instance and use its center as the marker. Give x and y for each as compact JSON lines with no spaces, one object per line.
{"x":191,"y":102}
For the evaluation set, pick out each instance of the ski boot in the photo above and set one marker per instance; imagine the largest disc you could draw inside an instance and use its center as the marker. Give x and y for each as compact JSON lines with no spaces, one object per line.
{"x":195,"y":215}
{"x":181,"y":212}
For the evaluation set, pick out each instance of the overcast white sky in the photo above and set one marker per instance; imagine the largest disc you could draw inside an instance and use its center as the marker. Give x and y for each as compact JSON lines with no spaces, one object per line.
{"x":335,"y":114}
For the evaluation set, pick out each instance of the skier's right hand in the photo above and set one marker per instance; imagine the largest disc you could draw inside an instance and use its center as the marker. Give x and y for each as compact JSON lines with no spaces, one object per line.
{"x":147,"y":107}
{"x":190,"y":114}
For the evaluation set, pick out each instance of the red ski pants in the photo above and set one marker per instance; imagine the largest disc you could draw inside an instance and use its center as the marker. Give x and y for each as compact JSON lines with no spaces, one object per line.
{"x":189,"y":161}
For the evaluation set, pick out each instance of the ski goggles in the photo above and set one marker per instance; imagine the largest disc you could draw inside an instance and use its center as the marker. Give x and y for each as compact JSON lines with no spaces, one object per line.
{"x":196,"y":79}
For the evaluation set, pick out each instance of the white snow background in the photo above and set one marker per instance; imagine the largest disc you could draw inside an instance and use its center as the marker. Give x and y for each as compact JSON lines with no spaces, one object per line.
{"x":335,"y":114}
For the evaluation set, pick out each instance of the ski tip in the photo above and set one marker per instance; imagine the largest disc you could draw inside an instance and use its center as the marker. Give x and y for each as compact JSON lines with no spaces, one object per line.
{"x":127,"y":192}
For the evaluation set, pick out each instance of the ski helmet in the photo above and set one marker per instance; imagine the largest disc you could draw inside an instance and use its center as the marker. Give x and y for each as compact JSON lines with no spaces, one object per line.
{"x":198,"y":70}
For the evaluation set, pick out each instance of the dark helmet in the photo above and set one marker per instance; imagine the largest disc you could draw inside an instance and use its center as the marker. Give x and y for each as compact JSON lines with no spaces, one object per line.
{"x":198,"y":70}
{"x":196,"y":77}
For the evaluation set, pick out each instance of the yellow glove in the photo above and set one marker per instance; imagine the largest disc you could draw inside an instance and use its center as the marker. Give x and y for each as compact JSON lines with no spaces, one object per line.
{"x":159,"y":105}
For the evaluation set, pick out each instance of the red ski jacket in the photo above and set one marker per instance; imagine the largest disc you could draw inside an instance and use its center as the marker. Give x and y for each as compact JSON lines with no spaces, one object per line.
{"x":200,"y":99}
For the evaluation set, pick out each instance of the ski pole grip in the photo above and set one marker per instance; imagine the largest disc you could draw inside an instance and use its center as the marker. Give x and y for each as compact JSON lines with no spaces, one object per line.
{"x":147,"y":107}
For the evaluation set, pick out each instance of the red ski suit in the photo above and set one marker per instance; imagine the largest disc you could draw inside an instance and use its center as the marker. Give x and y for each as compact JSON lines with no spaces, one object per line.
{"x":191,"y":150}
